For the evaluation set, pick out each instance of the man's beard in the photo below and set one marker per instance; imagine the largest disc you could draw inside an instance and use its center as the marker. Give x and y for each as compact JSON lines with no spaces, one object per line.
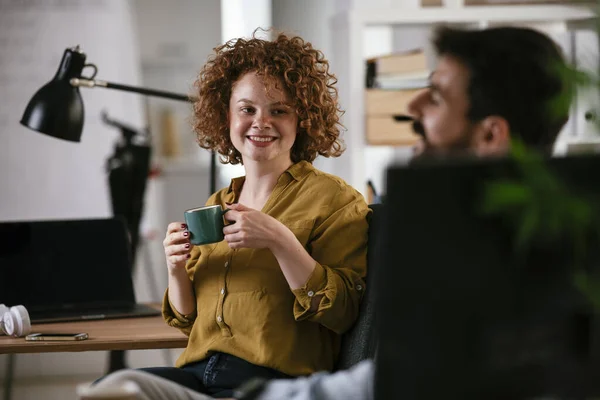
{"x":429,"y":152}
{"x":418,"y":128}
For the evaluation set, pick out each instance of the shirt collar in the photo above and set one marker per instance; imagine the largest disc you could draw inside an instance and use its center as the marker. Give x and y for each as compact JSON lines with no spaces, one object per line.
{"x":296,"y":171}
{"x":236,"y":186}
{"x":300,"y":170}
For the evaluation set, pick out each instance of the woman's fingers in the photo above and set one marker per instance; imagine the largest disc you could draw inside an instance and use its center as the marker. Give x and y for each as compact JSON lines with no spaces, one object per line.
{"x":232,"y":215}
{"x":177,"y":245}
{"x":233,"y":228}
{"x":234,"y":243}
{"x":239,"y":207}
{"x":178,"y":249}
{"x":178,"y":259}
{"x":176,"y":238}
{"x":234,"y":237}
{"x":175,"y":227}
{"x":176,"y":232}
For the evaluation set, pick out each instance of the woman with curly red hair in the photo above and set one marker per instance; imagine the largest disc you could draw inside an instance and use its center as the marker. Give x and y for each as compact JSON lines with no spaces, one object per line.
{"x":273,"y":298}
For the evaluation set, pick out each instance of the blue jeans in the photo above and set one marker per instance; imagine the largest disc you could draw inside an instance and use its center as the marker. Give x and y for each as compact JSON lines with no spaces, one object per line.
{"x":217,"y":375}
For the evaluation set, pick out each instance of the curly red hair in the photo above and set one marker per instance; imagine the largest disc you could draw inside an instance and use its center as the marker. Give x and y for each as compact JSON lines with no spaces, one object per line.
{"x":304,"y":73}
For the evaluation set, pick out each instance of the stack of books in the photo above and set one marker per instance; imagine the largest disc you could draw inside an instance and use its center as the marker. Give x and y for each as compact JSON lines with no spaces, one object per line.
{"x":392,"y":82}
{"x":407,"y":70}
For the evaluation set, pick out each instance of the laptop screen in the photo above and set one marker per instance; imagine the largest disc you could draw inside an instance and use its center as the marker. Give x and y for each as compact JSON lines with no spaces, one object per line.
{"x":50,"y":264}
{"x":460,"y":314}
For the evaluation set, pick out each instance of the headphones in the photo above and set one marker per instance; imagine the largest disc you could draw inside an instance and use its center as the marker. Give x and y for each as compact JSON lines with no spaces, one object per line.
{"x":14,"y":321}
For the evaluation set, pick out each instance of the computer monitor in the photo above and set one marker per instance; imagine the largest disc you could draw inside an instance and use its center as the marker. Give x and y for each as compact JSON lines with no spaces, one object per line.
{"x":68,"y":270}
{"x":460,"y":315}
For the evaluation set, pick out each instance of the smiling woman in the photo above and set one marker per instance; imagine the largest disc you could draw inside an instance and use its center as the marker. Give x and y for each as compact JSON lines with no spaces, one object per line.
{"x":262,"y":124}
{"x":272,"y":299}
{"x":289,"y":67}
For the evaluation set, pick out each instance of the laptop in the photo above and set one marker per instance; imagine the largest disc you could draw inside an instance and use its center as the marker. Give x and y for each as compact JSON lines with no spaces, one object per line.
{"x":68,"y":270}
{"x":459,"y":314}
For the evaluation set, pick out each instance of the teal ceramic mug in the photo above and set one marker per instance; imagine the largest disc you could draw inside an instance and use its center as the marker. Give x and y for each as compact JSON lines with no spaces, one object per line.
{"x":205,"y":224}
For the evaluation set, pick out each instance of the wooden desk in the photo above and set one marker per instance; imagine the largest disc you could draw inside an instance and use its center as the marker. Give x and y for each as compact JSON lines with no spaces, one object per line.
{"x":110,"y":334}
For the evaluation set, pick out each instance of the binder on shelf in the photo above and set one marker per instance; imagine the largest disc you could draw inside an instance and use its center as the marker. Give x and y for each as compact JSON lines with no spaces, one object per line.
{"x":406,"y":67}
{"x":388,"y":102}
{"x":402,"y":81}
{"x":386,"y":122}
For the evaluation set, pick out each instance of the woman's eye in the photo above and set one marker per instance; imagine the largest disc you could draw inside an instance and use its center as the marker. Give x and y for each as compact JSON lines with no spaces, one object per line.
{"x":278,"y":112}
{"x":247,"y":110}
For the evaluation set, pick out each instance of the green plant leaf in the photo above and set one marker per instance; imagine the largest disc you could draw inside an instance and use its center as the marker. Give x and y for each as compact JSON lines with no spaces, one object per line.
{"x":589,"y":287}
{"x":501,"y":195}
{"x":528,"y":229}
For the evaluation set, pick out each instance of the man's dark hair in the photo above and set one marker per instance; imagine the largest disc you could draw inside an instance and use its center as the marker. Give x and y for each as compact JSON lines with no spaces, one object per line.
{"x":515,"y":73}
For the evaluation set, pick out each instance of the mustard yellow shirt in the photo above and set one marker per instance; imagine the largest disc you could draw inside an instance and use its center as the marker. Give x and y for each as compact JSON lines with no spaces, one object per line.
{"x":245,"y":306}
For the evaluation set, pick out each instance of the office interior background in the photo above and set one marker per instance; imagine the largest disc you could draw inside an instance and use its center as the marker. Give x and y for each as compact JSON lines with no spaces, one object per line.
{"x":162,"y":44}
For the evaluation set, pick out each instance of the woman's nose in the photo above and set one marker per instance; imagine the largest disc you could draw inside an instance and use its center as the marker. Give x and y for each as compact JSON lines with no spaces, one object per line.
{"x":262,"y":121}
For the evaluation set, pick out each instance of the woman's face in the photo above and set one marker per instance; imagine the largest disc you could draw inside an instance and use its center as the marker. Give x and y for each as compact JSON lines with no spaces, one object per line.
{"x":262,"y":126}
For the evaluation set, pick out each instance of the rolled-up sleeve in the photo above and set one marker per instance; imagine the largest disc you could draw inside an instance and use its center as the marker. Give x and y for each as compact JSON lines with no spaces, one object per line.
{"x":173,"y":317}
{"x":339,"y":245}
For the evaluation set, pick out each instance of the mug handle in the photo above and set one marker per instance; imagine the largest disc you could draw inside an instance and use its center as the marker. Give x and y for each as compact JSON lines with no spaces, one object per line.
{"x":223,"y":212}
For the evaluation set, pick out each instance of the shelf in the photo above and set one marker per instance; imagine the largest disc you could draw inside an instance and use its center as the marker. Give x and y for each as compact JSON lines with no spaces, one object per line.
{"x":471,"y":14}
{"x":347,"y":55}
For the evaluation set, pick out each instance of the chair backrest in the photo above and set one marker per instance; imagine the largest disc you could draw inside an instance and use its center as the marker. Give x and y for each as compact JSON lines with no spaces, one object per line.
{"x":358,"y":343}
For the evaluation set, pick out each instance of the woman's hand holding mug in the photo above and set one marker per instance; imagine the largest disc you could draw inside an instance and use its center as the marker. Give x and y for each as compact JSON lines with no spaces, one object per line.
{"x":250,"y":228}
{"x":177,"y":245}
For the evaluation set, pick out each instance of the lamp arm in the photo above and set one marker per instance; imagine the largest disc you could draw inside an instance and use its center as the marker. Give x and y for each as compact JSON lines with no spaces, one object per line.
{"x":90,"y":83}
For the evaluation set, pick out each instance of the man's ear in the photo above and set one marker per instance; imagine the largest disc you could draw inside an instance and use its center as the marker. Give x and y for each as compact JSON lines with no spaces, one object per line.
{"x":492,"y":136}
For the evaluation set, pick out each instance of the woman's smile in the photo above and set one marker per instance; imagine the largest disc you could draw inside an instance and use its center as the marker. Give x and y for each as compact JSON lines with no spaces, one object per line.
{"x":261,"y":141}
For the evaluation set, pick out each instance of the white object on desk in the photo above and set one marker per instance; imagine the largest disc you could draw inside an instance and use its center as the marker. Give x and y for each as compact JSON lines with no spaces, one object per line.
{"x":122,"y":391}
{"x":14,"y":321}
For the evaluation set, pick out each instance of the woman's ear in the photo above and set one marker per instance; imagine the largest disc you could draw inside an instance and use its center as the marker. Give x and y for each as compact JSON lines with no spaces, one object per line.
{"x":492,"y":136}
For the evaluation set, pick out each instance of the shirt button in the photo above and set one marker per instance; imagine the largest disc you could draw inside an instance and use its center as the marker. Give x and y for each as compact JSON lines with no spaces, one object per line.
{"x":310,"y":293}
{"x":226,"y":264}
{"x":219,"y":318}
{"x":223,"y":291}
{"x":359,"y":287}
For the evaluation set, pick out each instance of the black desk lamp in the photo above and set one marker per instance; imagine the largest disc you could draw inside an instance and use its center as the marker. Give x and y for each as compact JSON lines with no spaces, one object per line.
{"x":57,"y":108}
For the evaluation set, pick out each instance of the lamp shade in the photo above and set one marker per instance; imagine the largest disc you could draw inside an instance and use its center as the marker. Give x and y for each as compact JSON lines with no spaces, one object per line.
{"x":57,"y":108}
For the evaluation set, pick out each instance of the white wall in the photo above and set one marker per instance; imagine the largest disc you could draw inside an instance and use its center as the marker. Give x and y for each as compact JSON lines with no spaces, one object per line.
{"x":176,"y":38}
{"x":308,"y":19}
{"x":42,"y":177}
{"x":240,"y":19}
{"x":46,"y":178}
